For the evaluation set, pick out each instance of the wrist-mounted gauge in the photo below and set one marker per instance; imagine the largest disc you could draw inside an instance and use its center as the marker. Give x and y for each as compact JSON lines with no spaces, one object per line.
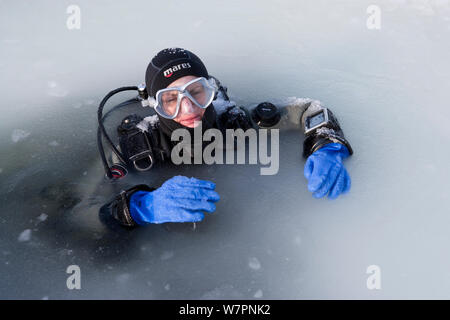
{"x":321,"y":127}
{"x":317,"y":120}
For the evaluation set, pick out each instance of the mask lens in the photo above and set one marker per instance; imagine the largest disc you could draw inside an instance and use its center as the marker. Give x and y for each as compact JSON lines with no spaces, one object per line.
{"x":201,"y":93}
{"x":168,"y":102}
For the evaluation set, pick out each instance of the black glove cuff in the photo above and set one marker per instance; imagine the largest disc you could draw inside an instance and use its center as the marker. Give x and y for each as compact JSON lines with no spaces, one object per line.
{"x":118,"y":208}
{"x":330,"y":133}
{"x":313,"y":143}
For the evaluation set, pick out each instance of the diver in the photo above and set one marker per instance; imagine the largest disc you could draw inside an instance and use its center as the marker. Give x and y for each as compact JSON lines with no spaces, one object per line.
{"x":183,"y":94}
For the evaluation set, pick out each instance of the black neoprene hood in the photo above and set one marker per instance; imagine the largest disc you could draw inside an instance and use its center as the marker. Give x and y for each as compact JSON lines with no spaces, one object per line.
{"x":169,"y":65}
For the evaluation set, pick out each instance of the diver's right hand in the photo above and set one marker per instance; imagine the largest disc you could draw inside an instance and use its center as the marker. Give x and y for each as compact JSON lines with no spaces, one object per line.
{"x":179,"y":199}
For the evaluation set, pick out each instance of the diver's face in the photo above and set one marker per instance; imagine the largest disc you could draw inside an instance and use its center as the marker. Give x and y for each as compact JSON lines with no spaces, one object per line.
{"x":189,"y":113}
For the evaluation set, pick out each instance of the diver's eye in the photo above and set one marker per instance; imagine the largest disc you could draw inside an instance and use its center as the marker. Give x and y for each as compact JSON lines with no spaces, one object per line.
{"x":196,"y":92}
{"x":171,"y":100}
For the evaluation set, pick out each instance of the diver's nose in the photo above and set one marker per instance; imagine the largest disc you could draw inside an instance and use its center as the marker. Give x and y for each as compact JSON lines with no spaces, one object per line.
{"x":186,"y":105}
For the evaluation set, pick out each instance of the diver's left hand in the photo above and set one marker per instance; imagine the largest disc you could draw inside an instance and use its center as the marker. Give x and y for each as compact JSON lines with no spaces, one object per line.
{"x":325,"y":172}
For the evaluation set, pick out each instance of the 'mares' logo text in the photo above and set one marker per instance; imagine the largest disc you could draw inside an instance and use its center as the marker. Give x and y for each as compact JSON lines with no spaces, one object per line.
{"x":168,"y":73}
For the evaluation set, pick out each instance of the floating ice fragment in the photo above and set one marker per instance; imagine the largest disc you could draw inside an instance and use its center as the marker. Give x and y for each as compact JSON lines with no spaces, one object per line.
{"x":19,"y":134}
{"x":254,"y":264}
{"x":53,"y":143}
{"x":258,"y":294}
{"x":167,"y":287}
{"x":25,"y":236}
{"x":42,"y":217}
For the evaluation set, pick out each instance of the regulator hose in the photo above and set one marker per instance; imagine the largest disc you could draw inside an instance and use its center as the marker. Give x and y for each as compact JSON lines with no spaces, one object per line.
{"x":102,"y":131}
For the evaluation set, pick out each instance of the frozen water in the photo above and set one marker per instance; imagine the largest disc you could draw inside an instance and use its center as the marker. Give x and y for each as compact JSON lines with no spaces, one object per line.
{"x":389,"y":89}
{"x":254,"y":264}
{"x":258,"y":294}
{"x":42,"y":217}
{"x":19,"y":134}
{"x":25,"y":235}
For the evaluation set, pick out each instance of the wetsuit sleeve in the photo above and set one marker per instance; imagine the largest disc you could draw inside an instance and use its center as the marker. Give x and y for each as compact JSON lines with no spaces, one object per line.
{"x":118,"y":209}
{"x":329,"y":133}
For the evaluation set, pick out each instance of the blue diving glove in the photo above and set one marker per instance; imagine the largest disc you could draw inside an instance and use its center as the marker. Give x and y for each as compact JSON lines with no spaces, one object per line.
{"x":325,"y":172}
{"x":179,"y":199}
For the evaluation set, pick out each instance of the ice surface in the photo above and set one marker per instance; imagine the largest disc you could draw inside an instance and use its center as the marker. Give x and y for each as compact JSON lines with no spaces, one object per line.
{"x":19,"y":134}
{"x":123,"y":278}
{"x":56,"y":90}
{"x":269,"y":238}
{"x":166,"y":255}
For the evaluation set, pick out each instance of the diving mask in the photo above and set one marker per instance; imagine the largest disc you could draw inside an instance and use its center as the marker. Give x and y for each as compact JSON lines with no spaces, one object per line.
{"x":167,"y":101}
